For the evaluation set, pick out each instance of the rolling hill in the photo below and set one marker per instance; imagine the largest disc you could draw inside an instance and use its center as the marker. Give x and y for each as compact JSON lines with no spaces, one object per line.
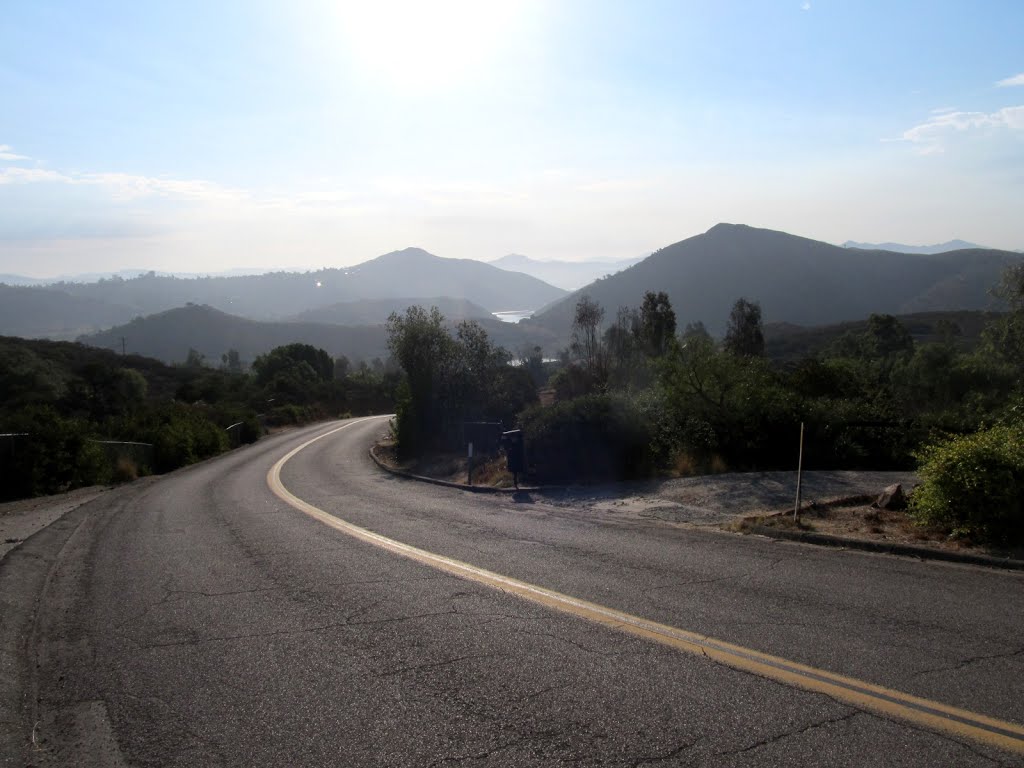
{"x":169,"y":335}
{"x":376,"y":311}
{"x":34,"y":312}
{"x":410,"y":273}
{"x":795,"y":279}
{"x":952,"y":245}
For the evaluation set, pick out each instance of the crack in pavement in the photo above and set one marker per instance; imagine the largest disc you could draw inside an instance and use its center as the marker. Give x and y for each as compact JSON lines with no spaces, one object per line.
{"x":436,"y":664}
{"x":968,"y":661}
{"x":285,"y":632}
{"x":668,"y":756}
{"x":797,"y":732}
{"x":606,"y":654}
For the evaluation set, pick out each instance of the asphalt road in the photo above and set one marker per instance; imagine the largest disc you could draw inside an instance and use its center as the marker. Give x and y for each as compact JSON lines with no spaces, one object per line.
{"x":200,"y":620}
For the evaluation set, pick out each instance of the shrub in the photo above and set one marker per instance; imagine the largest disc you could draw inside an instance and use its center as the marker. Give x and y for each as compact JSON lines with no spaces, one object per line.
{"x":55,"y":455}
{"x":591,"y":438}
{"x":974,"y":485}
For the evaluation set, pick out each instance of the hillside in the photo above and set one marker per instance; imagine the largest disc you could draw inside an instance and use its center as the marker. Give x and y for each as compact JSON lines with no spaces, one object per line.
{"x":169,"y":335}
{"x":795,"y":279}
{"x":411,"y":273}
{"x":569,"y":275}
{"x":952,"y":245}
{"x":787,"y":342}
{"x":376,"y":311}
{"x":32,"y":312}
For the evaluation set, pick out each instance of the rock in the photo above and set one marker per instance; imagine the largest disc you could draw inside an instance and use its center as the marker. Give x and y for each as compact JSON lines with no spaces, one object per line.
{"x":892,"y":497}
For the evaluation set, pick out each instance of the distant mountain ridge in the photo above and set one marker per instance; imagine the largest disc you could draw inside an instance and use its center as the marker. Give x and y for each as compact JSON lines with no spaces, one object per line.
{"x":408,"y":274}
{"x":952,"y":245}
{"x":169,"y":335}
{"x":795,"y":279}
{"x":569,"y":275}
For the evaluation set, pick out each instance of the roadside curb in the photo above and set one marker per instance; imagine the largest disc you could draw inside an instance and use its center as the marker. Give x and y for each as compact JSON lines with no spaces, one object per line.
{"x":907,"y":550}
{"x":448,"y":483}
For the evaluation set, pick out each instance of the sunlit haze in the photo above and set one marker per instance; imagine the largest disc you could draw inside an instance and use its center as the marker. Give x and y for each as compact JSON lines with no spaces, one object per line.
{"x":201,"y":137}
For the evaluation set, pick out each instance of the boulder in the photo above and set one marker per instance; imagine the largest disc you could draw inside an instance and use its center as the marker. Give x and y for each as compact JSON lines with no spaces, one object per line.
{"x":892,"y":497}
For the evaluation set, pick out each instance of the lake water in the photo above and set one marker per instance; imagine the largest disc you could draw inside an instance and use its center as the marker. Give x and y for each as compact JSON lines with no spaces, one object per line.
{"x":513,"y":315}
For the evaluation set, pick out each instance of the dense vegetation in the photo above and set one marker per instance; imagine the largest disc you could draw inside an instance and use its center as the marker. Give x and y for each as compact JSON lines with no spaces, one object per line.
{"x":635,"y":397}
{"x":63,"y":407}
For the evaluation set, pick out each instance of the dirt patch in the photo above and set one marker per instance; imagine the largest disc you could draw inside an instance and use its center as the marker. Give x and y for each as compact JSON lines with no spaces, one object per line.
{"x":855,"y":518}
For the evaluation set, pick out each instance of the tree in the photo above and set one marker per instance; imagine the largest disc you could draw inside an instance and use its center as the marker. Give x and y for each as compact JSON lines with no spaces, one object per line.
{"x":621,"y":344}
{"x":745,"y":334}
{"x":195,"y":359}
{"x":657,"y":322}
{"x":294,"y":371}
{"x":586,"y":342}
{"x":1004,"y":338}
{"x":694,"y":332}
{"x":424,"y":350}
{"x":231,"y":361}
{"x":887,"y":336}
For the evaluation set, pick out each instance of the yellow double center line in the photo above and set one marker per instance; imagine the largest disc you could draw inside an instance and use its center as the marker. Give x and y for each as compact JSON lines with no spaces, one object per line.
{"x":858,"y":693}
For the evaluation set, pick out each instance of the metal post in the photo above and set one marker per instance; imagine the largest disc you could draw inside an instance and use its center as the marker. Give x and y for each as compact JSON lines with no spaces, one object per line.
{"x":799,"y":475}
{"x":470,"y":457}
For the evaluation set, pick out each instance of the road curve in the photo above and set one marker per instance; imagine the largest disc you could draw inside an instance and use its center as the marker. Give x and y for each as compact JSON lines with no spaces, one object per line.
{"x":199,"y":619}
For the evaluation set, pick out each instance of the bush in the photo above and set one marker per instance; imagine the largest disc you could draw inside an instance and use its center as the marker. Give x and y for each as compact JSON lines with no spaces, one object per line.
{"x":183,"y":435}
{"x":974,"y":485}
{"x":591,"y":438}
{"x":56,"y":455}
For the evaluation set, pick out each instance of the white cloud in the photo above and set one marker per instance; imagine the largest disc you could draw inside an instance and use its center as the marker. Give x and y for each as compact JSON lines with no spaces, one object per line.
{"x":125,"y":186}
{"x":30,"y":175}
{"x":805,"y":7}
{"x":1011,"y":81}
{"x":7,"y":154}
{"x":930,"y":137}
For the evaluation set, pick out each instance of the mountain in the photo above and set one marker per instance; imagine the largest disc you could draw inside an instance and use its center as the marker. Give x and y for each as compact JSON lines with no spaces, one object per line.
{"x":952,"y":245}
{"x":564,"y":274}
{"x":410,"y":273}
{"x":169,"y":335}
{"x":33,"y":312}
{"x":376,"y":311}
{"x":795,"y":279}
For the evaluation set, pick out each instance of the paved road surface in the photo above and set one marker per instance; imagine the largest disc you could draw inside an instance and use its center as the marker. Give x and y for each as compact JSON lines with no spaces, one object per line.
{"x":198,"y":619}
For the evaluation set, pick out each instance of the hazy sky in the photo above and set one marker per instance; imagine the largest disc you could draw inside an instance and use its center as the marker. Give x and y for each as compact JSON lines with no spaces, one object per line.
{"x":207,"y":135}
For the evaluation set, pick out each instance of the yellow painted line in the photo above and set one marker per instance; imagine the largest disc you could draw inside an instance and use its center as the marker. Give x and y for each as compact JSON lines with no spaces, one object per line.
{"x":858,"y":693}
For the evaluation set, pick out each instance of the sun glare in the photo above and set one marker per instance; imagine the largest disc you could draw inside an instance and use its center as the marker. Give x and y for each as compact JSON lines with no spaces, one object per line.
{"x":418,"y":45}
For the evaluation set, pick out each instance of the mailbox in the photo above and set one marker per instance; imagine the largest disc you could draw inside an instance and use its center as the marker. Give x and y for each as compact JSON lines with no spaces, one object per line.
{"x":512,"y":443}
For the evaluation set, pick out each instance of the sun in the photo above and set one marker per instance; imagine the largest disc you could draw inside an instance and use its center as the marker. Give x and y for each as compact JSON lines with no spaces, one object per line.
{"x":426,"y":45}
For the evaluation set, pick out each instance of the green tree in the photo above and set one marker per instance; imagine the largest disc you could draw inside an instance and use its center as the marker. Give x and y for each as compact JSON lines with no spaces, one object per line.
{"x":231,"y":361}
{"x":657,"y":323}
{"x":744,"y":336}
{"x":424,"y":350}
{"x":586,"y":339}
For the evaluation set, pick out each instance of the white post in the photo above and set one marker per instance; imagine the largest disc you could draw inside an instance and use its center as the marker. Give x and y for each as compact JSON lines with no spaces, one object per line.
{"x":799,"y":474}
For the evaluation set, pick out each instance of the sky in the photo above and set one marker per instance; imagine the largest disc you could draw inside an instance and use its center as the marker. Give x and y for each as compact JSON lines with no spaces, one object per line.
{"x":209,"y":135}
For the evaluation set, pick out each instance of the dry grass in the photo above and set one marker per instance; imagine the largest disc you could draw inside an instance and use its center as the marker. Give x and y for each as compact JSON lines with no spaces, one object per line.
{"x":125,"y":470}
{"x":452,"y":467}
{"x":686,"y":465}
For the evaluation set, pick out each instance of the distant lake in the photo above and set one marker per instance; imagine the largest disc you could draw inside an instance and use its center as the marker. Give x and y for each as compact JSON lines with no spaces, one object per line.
{"x":513,"y":315}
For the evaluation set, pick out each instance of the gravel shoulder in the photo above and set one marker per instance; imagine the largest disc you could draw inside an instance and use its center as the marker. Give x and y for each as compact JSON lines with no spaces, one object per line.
{"x":20,"y":519}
